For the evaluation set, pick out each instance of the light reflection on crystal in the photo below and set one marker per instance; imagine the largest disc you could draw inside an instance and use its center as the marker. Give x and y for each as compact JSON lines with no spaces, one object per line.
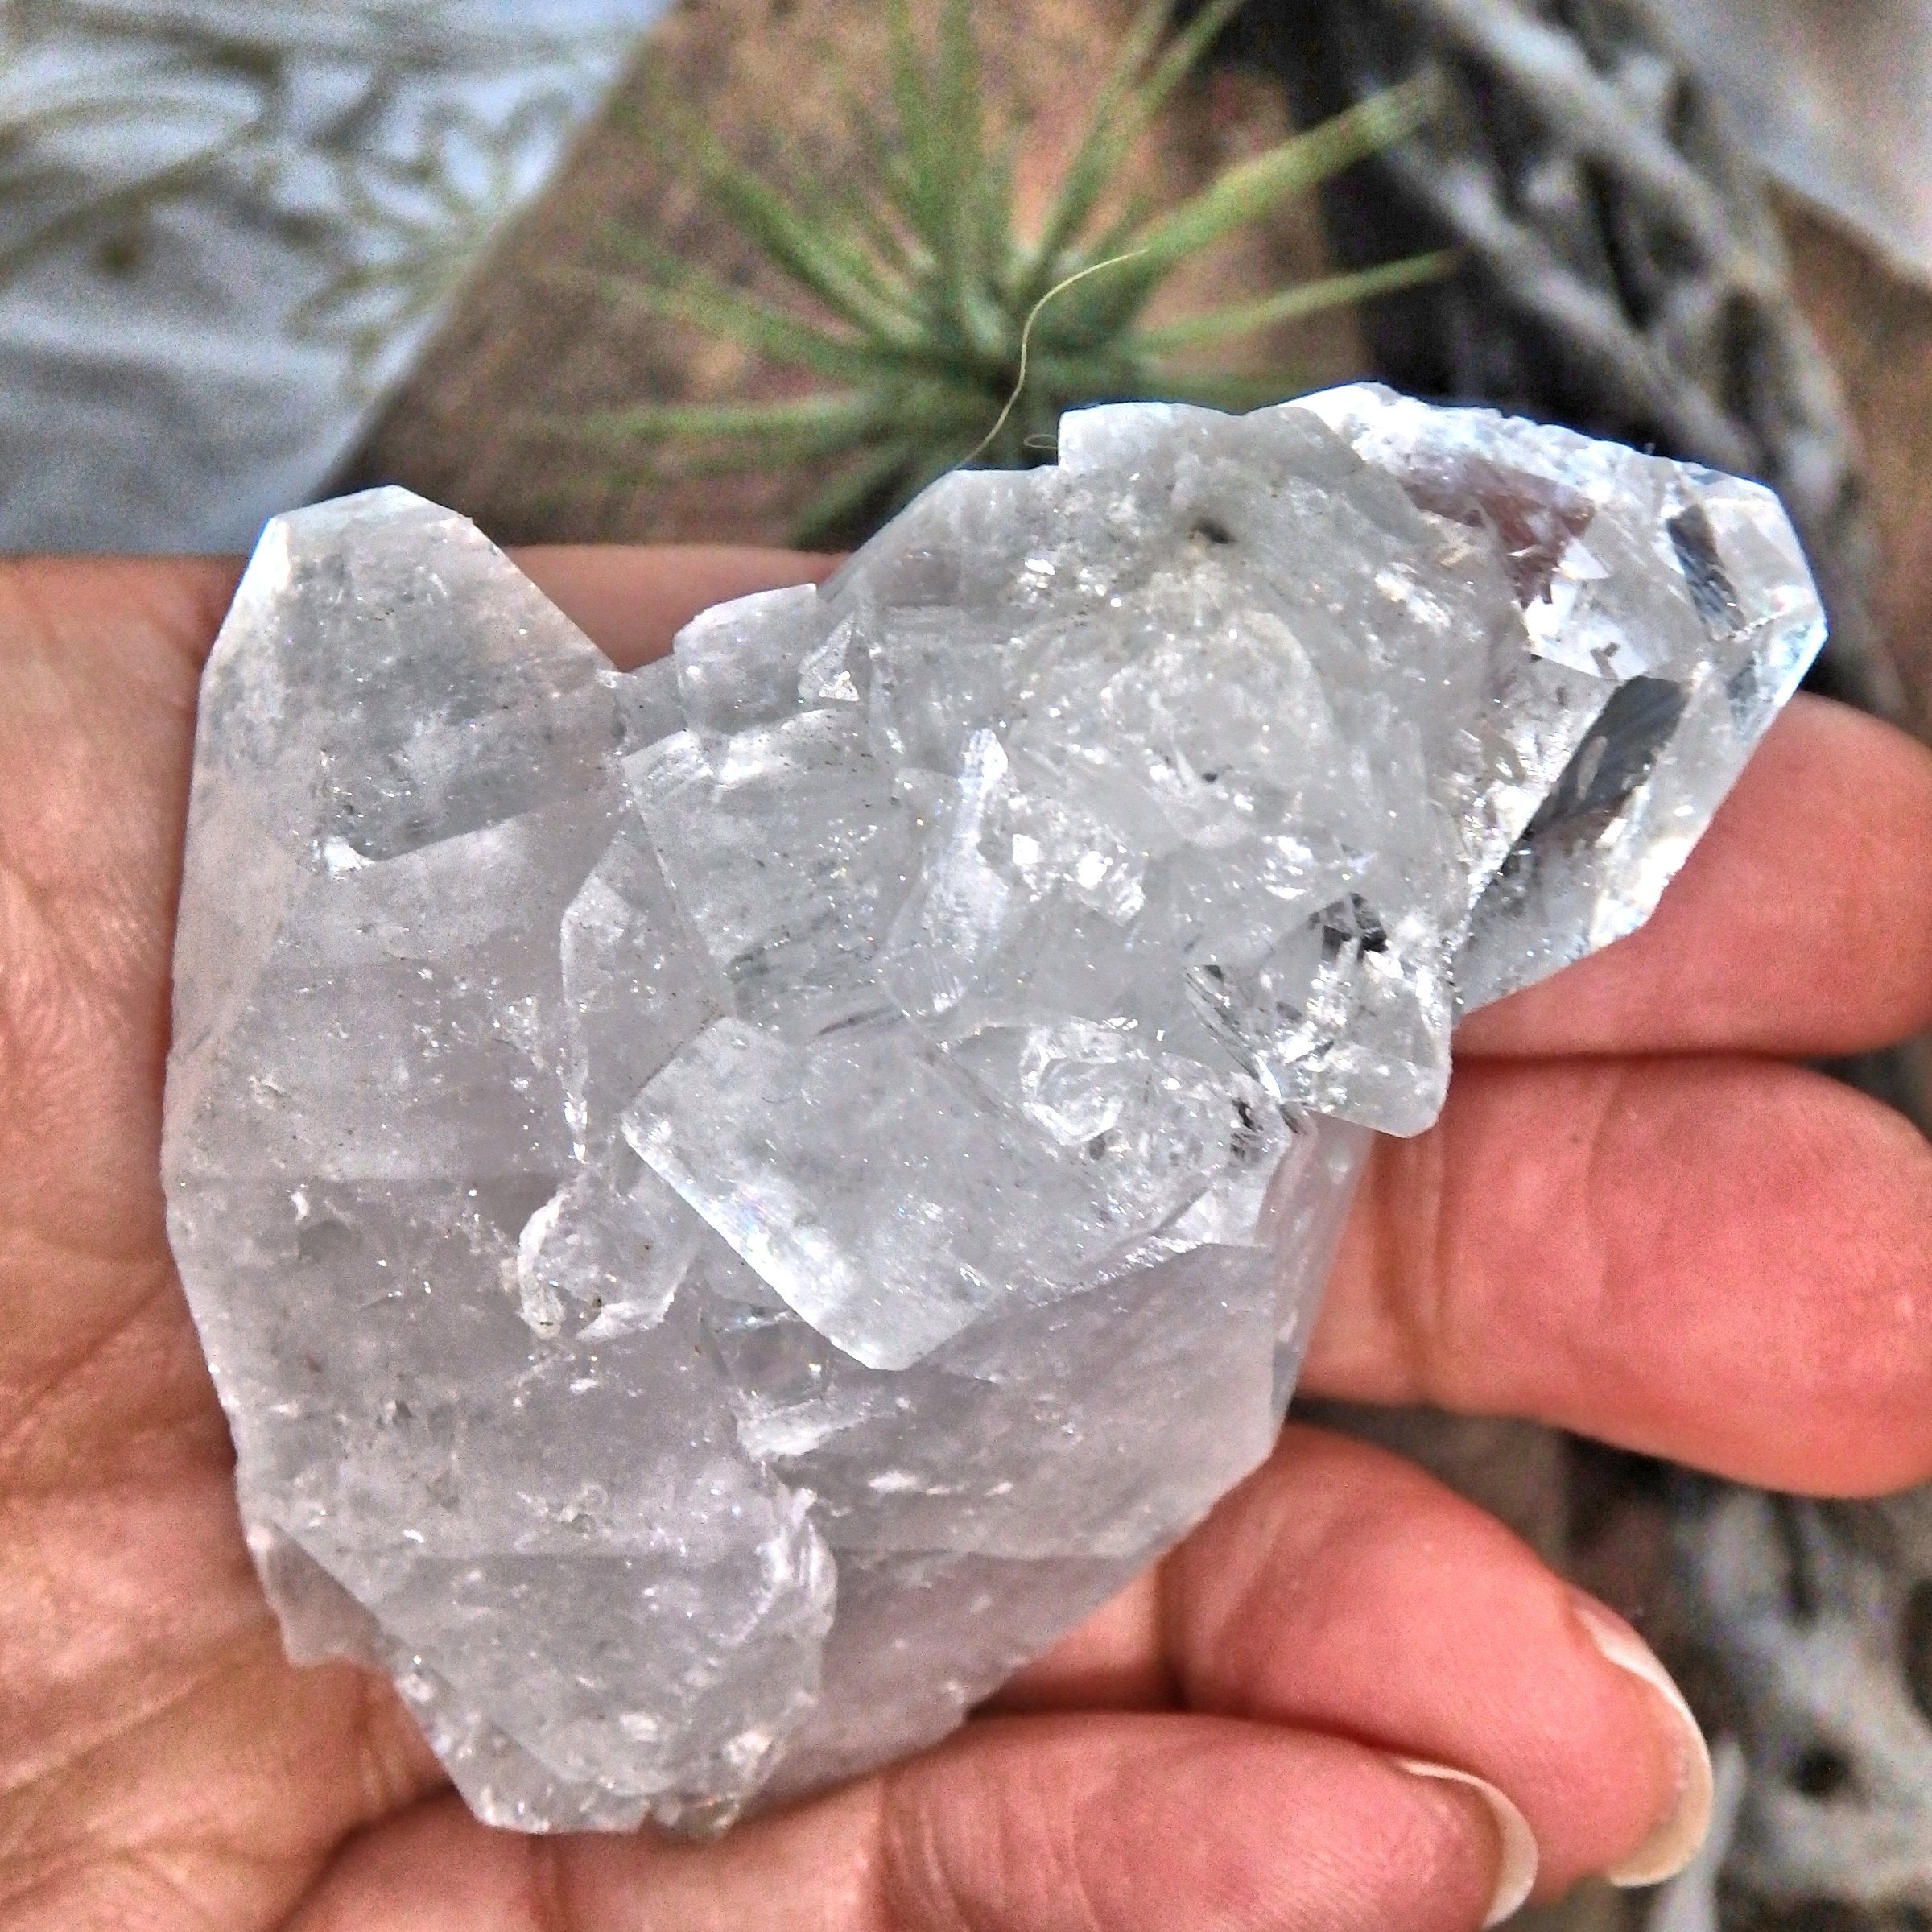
{"x":730,"y":1205}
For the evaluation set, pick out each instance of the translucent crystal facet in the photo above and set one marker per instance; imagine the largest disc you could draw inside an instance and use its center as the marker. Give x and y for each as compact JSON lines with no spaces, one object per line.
{"x":729,"y":1205}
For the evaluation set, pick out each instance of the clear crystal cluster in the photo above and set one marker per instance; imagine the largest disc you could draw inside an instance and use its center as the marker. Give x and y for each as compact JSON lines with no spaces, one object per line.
{"x":730,"y":1205}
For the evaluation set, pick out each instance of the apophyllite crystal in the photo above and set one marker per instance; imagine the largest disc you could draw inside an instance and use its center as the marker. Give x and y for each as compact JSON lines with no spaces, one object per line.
{"x":731,"y":1204}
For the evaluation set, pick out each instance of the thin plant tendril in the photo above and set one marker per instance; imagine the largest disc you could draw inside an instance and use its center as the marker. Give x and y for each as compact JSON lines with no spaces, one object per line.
{"x":1033,"y":315}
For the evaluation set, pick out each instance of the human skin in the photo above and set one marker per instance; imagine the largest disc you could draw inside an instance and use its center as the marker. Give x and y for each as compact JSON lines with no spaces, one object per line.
{"x":1634,"y":1220}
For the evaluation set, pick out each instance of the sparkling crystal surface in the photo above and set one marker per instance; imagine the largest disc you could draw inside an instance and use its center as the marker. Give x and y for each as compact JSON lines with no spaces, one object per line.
{"x":729,"y":1205}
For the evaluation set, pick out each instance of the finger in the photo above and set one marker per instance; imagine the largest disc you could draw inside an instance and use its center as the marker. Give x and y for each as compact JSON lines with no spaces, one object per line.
{"x":1117,"y":1824}
{"x":1801,"y":924}
{"x":1726,"y":1263}
{"x":633,"y":600}
{"x":1341,"y":1589}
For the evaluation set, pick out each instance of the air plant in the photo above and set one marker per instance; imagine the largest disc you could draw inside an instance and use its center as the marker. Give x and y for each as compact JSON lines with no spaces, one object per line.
{"x":939,"y":334}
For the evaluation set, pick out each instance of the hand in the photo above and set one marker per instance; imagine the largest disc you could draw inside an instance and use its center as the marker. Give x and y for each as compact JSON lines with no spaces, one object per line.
{"x":1632,"y":1221}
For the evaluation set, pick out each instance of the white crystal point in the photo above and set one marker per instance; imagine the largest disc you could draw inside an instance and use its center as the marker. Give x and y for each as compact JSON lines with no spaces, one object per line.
{"x":730,"y":1205}
{"x":406,"y":776}
{"x":1686,"y":589}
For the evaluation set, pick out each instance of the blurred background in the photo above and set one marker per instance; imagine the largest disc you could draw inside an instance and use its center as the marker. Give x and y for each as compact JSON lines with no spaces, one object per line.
{"x":514,"y":256}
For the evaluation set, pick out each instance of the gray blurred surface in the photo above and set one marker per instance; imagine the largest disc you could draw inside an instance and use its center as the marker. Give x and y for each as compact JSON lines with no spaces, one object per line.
{"x":224,"y":227}
{"x":1834,"y":96}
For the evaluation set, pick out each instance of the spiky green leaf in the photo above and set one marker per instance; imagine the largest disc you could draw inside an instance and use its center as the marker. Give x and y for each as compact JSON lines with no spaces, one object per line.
{"x":1128,"y":101}
{"x":829,"y":266}
{"x":819,"y":421}
{"x":1293,"y":304}
{"x":950,"y":339}
{"x":1251,"y":189}
{"x":682,"y":292}
{"x":828,"y":515}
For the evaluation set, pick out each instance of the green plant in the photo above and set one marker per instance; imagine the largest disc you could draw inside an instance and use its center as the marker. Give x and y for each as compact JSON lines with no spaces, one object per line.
{"x":936,"y":333}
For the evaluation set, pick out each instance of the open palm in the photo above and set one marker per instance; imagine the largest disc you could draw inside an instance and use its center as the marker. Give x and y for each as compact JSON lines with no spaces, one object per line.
{"x":1632,"y":1221}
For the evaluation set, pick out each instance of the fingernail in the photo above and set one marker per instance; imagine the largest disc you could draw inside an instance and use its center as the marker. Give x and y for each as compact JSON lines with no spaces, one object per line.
{"x":1518,"y":1872}
{"x":1674,"y":1842}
